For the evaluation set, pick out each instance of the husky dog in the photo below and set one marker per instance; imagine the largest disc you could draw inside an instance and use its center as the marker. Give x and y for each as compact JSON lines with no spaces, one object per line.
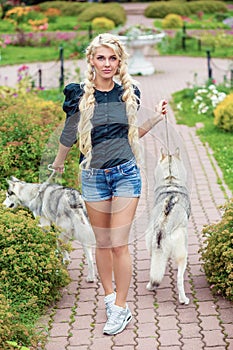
{"x":166,"y":234}
{"x":56,"y":204}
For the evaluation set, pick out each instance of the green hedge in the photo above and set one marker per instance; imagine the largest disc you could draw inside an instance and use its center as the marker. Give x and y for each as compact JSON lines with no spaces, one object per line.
{"x":26,"y":123}
{"x":66,"y":8}
{"x":32,"y":271}
{"x":161,"y":9}
{"x":31,"y":276}
{"x":29,"y":134}
{"x":113,"y":11}
{"x":223,"y":114}
{"x":217,"y":253}
{"x":87,"y":11}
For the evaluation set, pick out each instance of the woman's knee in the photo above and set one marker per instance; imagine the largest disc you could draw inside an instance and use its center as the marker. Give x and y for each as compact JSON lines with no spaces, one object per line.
{"x":120,"y":250}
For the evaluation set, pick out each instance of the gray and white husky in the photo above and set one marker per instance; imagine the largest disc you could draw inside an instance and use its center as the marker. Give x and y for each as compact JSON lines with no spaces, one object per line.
{"x":56,"y":204}
{"x":166,"y":235}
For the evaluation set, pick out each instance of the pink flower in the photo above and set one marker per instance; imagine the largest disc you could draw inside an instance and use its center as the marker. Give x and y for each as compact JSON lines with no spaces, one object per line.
{"x":23,"y":68}
{"x":7,"y":40}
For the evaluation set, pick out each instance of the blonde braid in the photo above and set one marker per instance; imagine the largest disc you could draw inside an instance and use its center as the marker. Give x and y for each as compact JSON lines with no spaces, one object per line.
{"x":131,"y":110}
{"x":86,"y":106}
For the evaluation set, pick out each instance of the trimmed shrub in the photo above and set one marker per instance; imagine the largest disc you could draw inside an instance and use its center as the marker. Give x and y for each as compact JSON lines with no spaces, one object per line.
{"x":223,"y":114}
{"x":112,"y":11}
{"x":161,"y":9}
{"x":31,"y":276}
{"x":217,"y":253}
{"x":102,"y":23}
{"x":66,"y":8}
{"x":172,"y":21}
{"x":207,"y":6}
{"x":26,"y":123}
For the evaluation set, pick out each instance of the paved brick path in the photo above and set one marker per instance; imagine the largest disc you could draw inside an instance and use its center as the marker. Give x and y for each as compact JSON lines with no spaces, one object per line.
{"x":159,"y":322}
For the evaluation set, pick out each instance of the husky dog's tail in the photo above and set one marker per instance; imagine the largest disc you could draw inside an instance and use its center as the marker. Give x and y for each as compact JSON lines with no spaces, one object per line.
{"x":156,"y":235}
{"x":169,"y":204}
{"x":83,"y":231}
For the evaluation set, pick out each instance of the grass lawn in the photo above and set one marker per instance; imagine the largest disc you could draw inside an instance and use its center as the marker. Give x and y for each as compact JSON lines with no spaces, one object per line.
{"x":16,"y":55}
{"x":219,"y":140}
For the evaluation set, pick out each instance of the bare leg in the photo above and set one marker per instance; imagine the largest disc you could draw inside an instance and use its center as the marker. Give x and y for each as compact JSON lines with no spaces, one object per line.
{"x":123,"y":214}
{"x":100,"y":216}
{"x":122,"y":267}
{"x":111,"y":222}
{"x":105,"y":268}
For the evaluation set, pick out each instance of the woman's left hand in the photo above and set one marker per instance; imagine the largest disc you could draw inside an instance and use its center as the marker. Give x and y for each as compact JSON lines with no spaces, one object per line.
{"x":161,"y":108}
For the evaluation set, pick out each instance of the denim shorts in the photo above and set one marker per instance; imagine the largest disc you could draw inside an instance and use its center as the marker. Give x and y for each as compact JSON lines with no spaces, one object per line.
{"x":123,"y":180}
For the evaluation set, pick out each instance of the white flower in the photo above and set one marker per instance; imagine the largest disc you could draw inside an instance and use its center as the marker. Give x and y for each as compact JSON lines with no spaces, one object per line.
{"x":221,"y":96}
{"x":201,"y":91}
{"x":179,"y":106}
{"x":212,"y":87}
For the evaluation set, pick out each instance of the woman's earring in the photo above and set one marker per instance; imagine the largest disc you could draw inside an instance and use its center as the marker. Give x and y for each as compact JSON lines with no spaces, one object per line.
{"x":118,"y":70}
{"x":93,"y":72}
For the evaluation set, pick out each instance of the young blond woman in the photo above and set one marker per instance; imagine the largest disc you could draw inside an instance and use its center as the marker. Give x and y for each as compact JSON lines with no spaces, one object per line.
{"x":102,"y":115}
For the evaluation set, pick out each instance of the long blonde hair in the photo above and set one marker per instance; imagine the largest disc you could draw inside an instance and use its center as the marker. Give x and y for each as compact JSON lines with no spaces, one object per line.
{"x":87,"y":103}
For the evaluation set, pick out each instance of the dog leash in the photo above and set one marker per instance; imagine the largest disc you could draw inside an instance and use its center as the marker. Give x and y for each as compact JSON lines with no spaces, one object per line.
{"x":168,"y":147}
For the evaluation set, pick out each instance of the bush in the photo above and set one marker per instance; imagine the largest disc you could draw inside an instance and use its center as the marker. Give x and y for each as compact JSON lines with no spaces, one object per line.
{"x":217,"y":254}
{"x":207,"y":98}
{"x":172,"y":21}
{"x":66,"y":8}
{"x":26,"y":122}
{"x":223,"y":114}
{"x":112,"y":11}
{"x":161,"y":9}
{"x":31,"y":276}
{"x":21,"y":15}
{"x":207,"y":6}
{"x":102,"y":23}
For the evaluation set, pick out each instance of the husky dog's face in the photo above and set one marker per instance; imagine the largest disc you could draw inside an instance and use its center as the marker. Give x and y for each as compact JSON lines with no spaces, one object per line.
{"x":12,"y":200}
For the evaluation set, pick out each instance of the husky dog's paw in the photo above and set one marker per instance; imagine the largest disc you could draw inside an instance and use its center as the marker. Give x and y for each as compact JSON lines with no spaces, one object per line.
{"x":90,"y":279}
{"x":184,"y":301}
{"x":66,"y":258}
{"x":152,"y":286}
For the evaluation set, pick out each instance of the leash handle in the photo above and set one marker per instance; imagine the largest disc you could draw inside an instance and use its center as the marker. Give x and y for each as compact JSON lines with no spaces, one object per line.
{"x":50,"y":168}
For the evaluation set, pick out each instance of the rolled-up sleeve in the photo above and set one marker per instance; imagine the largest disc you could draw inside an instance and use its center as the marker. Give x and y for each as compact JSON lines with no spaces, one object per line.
{"x":73,"y":93}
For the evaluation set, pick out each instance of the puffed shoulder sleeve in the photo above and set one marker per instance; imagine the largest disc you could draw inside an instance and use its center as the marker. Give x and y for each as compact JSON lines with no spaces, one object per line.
{"x":73,"y":93}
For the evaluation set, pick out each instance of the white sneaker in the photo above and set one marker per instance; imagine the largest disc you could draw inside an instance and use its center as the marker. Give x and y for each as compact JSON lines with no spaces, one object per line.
{"x":118,"y":320}
{"x":109,"y":301}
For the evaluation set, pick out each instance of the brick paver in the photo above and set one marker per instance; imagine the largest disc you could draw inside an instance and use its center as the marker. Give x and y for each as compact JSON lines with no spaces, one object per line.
{"x":159,"y":321}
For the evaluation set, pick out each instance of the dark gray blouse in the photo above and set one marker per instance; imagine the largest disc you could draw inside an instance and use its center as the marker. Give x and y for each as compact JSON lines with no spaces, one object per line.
{"x":109,"y":134}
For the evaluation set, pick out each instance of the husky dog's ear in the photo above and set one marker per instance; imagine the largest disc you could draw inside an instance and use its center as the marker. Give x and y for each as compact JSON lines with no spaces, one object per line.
{"x":10,"y":182}
{"x":14,"y":179}
{"x":177,"y":153}
{"x":163,"y":154}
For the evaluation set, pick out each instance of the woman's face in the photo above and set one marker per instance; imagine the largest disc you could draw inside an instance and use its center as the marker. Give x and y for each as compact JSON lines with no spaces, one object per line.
{"x":105,"y":62}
